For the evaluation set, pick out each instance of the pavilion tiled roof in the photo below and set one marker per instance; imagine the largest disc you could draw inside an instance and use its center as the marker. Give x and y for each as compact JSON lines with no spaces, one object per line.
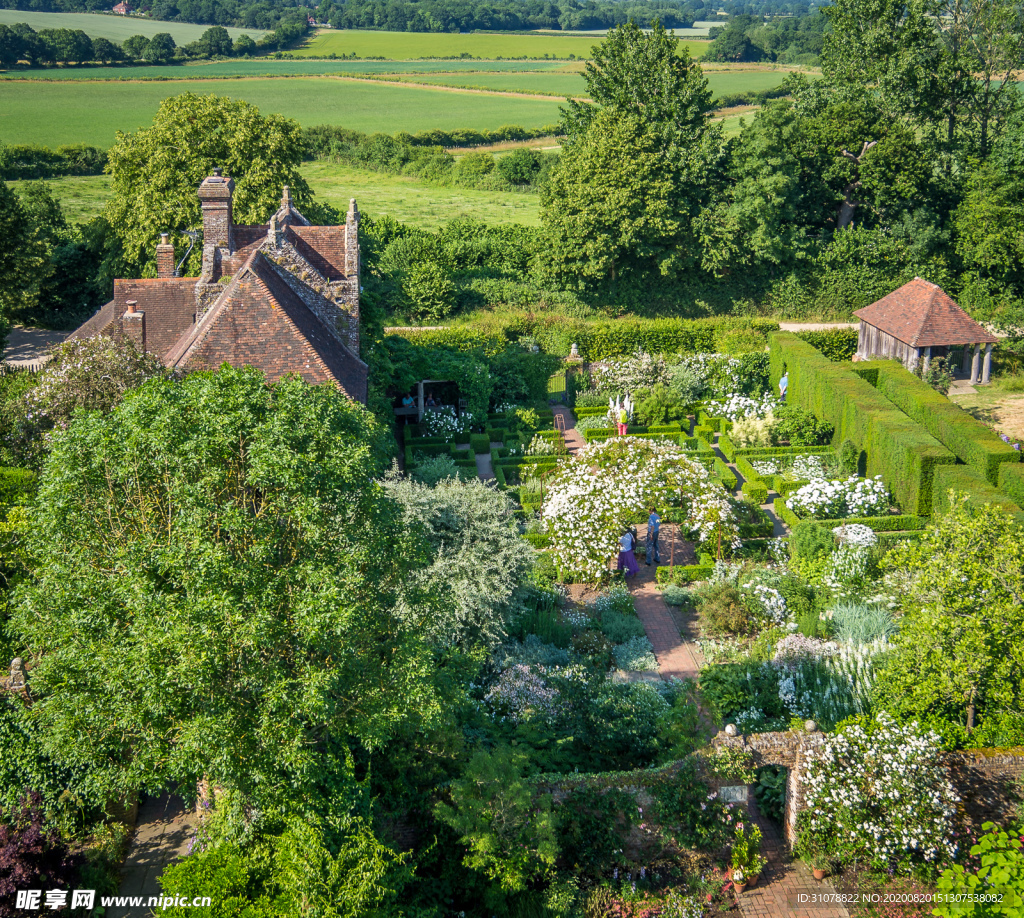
{"x":922,"y":314}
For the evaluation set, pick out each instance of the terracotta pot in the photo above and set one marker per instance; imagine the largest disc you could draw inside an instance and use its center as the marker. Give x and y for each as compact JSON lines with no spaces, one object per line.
{"x":739,"y":887}
{"x":820,"y":873}
{"x":753,"y":881}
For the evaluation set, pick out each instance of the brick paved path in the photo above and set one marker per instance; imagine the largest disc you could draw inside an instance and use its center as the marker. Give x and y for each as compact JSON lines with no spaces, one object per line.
{"x":573,"y":438}
{"x":781,"y":881}
{"x":676,"y":658}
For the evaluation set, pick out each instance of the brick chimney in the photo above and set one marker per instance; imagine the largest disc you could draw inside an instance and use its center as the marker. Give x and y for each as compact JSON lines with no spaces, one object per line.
{"x":165,"y":257}
{"x":133,"y":324}
{"x":218,"y":223}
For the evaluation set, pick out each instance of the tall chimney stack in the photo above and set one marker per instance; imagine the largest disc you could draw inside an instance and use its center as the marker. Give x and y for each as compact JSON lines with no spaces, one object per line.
{"x":218,"y":222}
{"x":133,"y":323}
{"x":165,"y":257}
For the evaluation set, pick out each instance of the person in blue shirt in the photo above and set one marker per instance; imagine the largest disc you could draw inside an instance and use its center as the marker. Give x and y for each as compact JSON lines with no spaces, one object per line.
{"x":783,"y":386}
{"x":653,"y":528}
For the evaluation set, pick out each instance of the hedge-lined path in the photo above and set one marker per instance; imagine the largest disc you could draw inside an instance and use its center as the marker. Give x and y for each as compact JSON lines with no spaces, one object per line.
{"x":484,"y":467}
{"x":677,"y":658}
{"x":573,"y":438}
{"x":779,"y":528}
{"x":781,"y":880}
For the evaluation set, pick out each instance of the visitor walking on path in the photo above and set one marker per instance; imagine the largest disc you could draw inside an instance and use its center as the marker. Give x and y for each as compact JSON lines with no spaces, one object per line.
{"x":623,"y":421}
{"x":627,"y":560}
{"x":653,"y":528}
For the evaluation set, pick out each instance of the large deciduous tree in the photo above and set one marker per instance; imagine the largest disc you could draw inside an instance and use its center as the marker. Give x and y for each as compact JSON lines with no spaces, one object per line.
{"x":215,"y":591}
{"x":638,"y":165}
{"x":21,"y":256}
{"x":958,"y":665}
{"x":156,"y":171}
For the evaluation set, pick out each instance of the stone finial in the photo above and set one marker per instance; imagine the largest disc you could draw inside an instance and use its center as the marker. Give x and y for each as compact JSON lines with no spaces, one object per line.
{"x":275,"y":234}
{"x":286,"y":197}
{"x":810,"y":726}
{"x":574,"y":351}
{"x":17,"y":680}
{"x":730,"y":730}
{"x":353,"y":209}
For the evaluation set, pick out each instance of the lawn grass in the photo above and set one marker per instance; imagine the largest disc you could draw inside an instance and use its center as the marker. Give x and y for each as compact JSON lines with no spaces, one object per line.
{"x":73,"y":112}
{"x":414,"y":202}
{"x":490,"y":45}
{"x":82,"y":197}
{"x":271,"y":68}
{"x":116,"y":28}
{"x":401,"y":197}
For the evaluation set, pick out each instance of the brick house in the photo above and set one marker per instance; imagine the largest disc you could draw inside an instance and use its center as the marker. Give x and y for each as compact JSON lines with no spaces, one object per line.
{"x":122,"y":9}
{"x":283,"y":297}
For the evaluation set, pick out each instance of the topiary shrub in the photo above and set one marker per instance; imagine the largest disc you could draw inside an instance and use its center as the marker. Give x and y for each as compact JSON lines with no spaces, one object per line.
{"x":480,"y":443}
{"x":849,"y":458}
{"x":676,"y":595}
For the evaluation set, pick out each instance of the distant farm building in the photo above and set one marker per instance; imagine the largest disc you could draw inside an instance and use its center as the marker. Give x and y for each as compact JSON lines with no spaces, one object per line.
{"x":123,"y":8}
{"x":921,"y":321}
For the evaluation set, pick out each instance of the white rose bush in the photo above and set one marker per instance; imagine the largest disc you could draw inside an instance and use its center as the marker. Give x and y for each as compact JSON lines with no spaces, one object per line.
{"x":593,"y":496}
{"x":878,"y":795}
{"x":821,"y":499}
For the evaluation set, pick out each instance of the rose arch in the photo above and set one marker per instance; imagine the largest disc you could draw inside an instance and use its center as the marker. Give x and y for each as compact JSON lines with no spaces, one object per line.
{"x":608,"y":484}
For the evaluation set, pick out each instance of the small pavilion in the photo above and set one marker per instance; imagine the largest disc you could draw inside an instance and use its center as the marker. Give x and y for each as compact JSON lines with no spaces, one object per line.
{"x":921,"y":321}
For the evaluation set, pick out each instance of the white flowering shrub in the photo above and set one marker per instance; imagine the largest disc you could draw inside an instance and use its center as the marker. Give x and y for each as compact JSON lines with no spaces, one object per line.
{"x":752,"y":431}
{"x":879,"y":794}
{"x":795,"y":647}
{"x":847,"y":571}
{"x":856,"y":534}
{"x":444,"y":422}
{"x":768,"y":600}
{"x":641,"y":371}
{"x":636,"y":656}
{"x":714,"y":375}
{"x":592,"y":496}
{"x":540,"y":446}
{"x":738,"y":407}
{"x":823,"y":500}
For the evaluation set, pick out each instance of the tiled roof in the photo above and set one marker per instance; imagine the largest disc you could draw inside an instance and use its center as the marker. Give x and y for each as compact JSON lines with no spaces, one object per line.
{"x":260,"y":321}
{"x":322,"y":246}
{"x":922,"y":314}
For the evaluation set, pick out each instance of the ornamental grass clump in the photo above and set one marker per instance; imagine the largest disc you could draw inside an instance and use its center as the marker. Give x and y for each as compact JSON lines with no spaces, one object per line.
{"x":830,"y":500}
{"x":877,"y":795}
{"x":595,"y":494}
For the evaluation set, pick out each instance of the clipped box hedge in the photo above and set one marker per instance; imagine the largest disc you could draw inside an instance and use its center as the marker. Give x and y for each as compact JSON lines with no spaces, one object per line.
{"x":1011,"y":481}
{"x":892,"y":523}
{"x":968,"y":439}
{"x":728,"y":448}
{"x":755,"y":492}
{"x":481,"y":443}
{"x":968,"y":481}
{"x":683,"y":574}
{"x":897,"y":447}
{"x":725,"y":474}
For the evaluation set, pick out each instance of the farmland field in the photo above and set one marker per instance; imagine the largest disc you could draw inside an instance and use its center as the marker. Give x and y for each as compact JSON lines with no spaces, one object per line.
{"x":287,"y":68}
{"x":567,"y":83}
{"x":490,"y":45}
{"x":73,"y":112}
{"x":116,"y":28}
{"x":401,"y":197}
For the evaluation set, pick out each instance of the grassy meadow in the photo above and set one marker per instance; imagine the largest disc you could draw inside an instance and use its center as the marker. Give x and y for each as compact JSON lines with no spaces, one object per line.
{"x":75,"y":112}
{"x":490,"y":45}
{"x":115,"y":28}
{"x":401,"y":197}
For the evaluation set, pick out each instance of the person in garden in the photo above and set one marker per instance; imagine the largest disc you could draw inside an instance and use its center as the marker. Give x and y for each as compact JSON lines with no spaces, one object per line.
{"x":627,"y":560}
{"x":783,"y":385}
{"x":653,"y":528}
{"x":408,"y":401}
{"x":623,"y":421}
{"x":430,"y":401}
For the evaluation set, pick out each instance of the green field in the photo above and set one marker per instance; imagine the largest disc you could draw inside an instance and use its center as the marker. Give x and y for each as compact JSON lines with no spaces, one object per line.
{"x":406,"y":46}
{"x":72,"y":112}
{"x":248,"y":69}
{"x":116,"y":28}
{"x":401,"y":197}
{"x":567,"y":84}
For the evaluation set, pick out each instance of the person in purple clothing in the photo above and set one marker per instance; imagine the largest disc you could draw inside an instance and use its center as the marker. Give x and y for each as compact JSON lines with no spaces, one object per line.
{"x":627,"y":560}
